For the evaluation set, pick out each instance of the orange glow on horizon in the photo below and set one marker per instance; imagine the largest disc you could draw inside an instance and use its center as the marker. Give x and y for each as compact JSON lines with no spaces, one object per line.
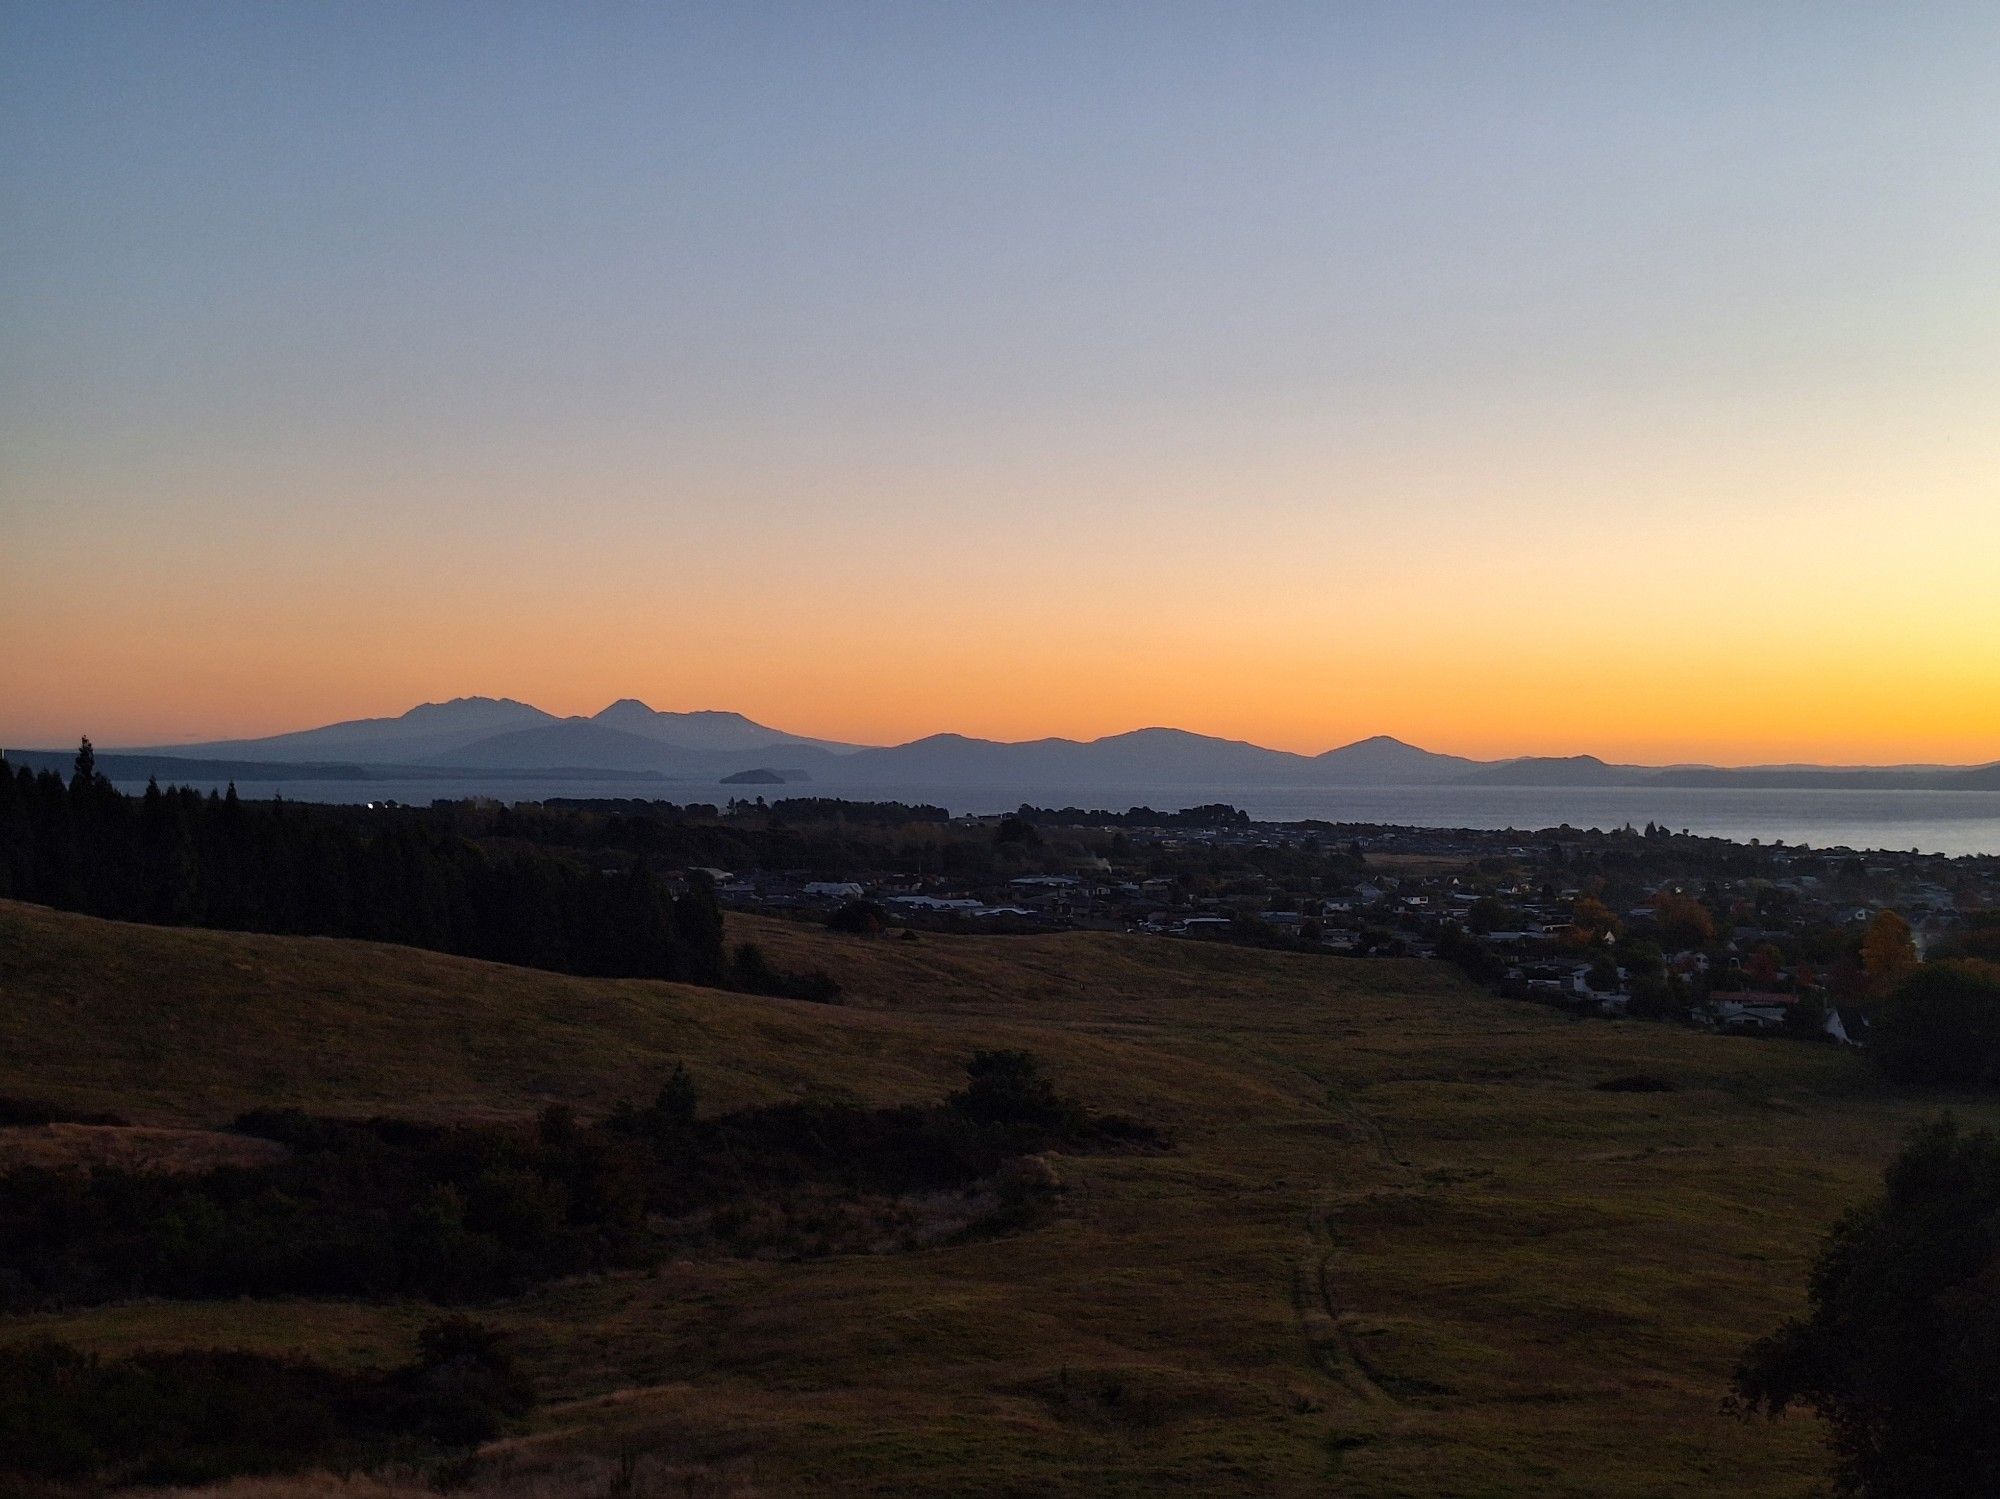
{"x":1669,"y":633}
{"x":185,"y":685}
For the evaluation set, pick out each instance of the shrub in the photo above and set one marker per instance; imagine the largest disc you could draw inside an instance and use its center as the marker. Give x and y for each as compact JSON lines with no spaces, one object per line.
{"x":382,"y":1208}
{"x":1899,"y":1350}
{"x":751,"y":972}
{"x":1470,"y":956}
{"x":1007,"y":1087}
{"x":1941,"y":1026}
{"x":1027,"y":1187}
{"x":862,"y":918}
{"x":26,"y":1111}
{"x":69,"y":1417}
{"x":388,"y":1208}
{"x":676,"y":1101}
{"x":464,"y":1387}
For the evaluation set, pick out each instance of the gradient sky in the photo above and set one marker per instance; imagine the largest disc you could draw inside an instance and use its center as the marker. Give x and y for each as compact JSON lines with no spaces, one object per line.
{"x":1511,"y":378}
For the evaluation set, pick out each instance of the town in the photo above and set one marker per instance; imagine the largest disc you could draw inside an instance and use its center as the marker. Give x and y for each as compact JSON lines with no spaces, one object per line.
{"x":1649,"y":923}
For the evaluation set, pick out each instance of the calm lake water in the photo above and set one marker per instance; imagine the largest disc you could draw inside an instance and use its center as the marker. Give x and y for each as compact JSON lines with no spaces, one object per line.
{"x":1948,"y":822}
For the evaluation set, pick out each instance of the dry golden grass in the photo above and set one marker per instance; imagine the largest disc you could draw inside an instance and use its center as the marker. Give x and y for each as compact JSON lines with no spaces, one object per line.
{"x":1403,"y":1246}
{"x":499,"y":1476}
{"x":87,"y":1147}
{"x":1417,"y":864}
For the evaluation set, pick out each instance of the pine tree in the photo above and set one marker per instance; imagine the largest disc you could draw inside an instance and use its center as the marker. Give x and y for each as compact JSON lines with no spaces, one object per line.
{"x":83,"y":779}
{"x":698,"y":931}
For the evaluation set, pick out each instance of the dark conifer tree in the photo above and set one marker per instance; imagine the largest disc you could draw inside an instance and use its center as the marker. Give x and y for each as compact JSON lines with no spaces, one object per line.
{"x":84,"y":778}
{"x":698,"y":928}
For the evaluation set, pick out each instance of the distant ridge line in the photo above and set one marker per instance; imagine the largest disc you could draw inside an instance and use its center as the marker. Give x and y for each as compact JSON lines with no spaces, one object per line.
{"x":486,"y":735}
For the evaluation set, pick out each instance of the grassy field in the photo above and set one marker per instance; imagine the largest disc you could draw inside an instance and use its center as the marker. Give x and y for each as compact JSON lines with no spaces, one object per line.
{"x":1404,"y":1245}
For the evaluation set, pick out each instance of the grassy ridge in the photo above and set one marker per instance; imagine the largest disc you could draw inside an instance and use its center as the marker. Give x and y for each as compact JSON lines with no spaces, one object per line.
{"x":1405,"y":1245}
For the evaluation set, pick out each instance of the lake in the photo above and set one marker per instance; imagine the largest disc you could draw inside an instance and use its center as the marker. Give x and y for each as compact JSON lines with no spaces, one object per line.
{"x":1947,"y":822}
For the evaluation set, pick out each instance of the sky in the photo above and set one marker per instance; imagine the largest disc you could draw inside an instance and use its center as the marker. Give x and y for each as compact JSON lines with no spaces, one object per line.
{"x":1509,"y":378}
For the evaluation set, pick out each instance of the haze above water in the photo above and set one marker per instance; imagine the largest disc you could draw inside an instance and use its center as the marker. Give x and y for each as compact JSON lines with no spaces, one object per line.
{"x":1945,"y":822}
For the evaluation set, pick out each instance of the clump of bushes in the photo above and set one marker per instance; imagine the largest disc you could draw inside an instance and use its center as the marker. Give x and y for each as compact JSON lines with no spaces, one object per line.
{"x":387,"y":1207}
{"x":374,"y":1209}
{"x":17,"y":1112}
{"x":751,"y":972}
{"x":1941,"y":1026}
{"x":860,"y":918}
{"x":1637,"y":1082}
{"x":69,"y":1417}
{"x":1469,"y":955}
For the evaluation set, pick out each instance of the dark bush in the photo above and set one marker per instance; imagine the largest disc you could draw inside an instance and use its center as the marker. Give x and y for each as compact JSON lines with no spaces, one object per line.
{"x":1899,"y":1350}
{"x":1007,"y":1087}
{"x":1470,"y":956}
{"x":383,"y":1208}
{"x":751,"y":972}
{"x":676,"y":1103}
{"x":25,"y":1111}
{"x":70,"y":1417}
{"x":861,"y":918}
{"x":464,"y":1387}
{"x":1941,"y":1027}
{"x":387,"y":1208}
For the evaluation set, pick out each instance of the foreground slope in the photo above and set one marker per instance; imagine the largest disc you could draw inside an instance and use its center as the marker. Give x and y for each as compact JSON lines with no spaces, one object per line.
{"x":1404,"y":1244}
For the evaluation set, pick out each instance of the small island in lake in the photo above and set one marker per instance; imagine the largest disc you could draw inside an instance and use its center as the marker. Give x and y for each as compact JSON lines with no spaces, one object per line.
{"x":760,"y":777}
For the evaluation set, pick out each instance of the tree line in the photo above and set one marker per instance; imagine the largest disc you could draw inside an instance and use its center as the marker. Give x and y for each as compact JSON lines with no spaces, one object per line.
{"x":179,"y":857}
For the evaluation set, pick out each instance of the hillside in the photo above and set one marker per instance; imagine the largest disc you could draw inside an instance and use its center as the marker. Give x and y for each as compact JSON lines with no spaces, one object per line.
{"x":589,"y":744}
{"x":569,"y":744}
{"x":705,"y":729}
{"x":1403,"y":1245}
{"x":426,"y":730}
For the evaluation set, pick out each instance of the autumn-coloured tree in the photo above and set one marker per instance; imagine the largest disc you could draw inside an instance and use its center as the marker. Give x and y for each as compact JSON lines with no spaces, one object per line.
{"x":1684,"y":921}
{"x":1888,"y":951}
{"x":1763,"y":966}
{"x":1592,"y":924}
{"x":1846,"y":984}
